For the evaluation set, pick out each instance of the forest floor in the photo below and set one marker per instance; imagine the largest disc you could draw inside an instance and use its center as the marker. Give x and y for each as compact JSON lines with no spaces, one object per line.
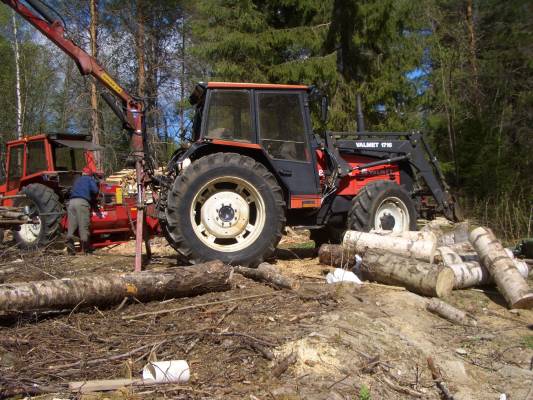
{"x":365,"y":341}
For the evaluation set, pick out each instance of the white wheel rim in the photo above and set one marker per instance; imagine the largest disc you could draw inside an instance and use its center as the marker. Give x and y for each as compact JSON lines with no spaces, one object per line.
{"x":392,"y":215}
{"x":228,"y":214}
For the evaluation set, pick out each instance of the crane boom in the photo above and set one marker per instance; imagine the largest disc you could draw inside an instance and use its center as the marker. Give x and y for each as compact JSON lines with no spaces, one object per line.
{"x":132,"y":116}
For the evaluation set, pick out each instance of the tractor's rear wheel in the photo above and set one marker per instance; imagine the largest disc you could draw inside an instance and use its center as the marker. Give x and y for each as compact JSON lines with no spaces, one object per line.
{"x":225,"y":206}
{"x":382,"y":205}
{"x":46,"y":211}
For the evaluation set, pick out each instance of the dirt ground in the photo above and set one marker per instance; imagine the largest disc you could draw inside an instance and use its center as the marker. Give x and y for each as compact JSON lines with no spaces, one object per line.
{"x":362,"y":342}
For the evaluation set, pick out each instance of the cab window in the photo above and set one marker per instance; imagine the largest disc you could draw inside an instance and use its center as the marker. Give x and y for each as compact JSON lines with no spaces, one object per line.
{"x":36,"y":161}
{"x":68,"y":159}
{"x":229,"y":115}
{"x":15,"y":168}
{"x":281,"y":126}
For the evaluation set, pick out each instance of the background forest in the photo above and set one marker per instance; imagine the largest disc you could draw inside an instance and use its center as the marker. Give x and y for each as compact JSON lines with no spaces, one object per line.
{"x":458,"y":70}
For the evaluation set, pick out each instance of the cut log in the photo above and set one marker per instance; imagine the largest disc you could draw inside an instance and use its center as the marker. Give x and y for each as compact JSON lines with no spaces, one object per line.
{"x":108,"y":289}
{"x":423,"y":250}
{"x":411,"y":235}
{"x":336,"y":256}
{"x":449,"y":312}
{"x":418,"y":277}
{"x":266,"y":272}
{"x":502,"y":268}
{"x":468,"y":270}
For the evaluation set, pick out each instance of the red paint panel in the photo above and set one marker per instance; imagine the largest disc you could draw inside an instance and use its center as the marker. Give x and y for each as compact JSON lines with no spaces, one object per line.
{"x":351,"y":185}
{"x":305,"y":201}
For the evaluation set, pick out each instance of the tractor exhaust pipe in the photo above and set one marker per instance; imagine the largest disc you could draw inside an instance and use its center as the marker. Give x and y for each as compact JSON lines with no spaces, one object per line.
{"x":360,"y":116}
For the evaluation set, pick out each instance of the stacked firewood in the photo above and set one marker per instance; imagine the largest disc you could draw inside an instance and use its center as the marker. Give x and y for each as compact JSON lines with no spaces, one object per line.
{"x":127,"y":180}
{"x":434,"y":263}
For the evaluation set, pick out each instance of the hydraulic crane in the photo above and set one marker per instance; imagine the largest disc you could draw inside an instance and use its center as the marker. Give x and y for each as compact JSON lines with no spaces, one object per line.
{"x":132,"y":115}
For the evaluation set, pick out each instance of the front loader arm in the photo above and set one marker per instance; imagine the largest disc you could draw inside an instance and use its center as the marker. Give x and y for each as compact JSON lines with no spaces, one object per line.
{"x":132,"y":115}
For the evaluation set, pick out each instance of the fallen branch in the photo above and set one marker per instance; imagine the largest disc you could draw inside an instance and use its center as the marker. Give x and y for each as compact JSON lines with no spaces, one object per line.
{"x":448,"y":312}
{"x":438,"y":380}
{"x":401,"y":389}
{"x":267,"y":273}
{"x":211,"y":303}
{"x":284,"y":364}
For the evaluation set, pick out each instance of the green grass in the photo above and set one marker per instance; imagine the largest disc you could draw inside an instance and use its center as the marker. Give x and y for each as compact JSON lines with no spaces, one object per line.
{"x":304,"y":245}
{"x":364,"y":393}
{"x":528,"y":341}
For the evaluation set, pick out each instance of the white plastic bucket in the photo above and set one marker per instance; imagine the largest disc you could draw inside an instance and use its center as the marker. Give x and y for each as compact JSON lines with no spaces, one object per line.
{"x":174,"y":371}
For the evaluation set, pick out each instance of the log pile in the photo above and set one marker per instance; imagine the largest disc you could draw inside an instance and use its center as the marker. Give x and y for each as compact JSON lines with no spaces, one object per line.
{"x":432,"y":262}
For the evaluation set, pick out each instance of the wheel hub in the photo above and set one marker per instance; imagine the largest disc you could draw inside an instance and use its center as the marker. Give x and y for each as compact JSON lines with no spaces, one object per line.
{"x":392,"y":215}
{"x":387,"y":222}
{"x":225,"y":214}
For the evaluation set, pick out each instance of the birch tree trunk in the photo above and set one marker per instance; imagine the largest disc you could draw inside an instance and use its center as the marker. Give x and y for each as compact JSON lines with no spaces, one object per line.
{"x":502,"y":268}
{"x":415,"y":276}
{"x":360,"y":242}
{"x":95,"y":117}
{"x":17,"y":76}
{"x":108,"y":289}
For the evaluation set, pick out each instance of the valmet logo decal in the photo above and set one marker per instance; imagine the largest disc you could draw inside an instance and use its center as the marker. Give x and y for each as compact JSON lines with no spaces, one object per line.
{"x":373,"y":145}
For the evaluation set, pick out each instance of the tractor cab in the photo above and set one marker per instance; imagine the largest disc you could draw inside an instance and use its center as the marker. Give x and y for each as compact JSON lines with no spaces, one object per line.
{"x":272,"y":121}
{"x":54,"y":160}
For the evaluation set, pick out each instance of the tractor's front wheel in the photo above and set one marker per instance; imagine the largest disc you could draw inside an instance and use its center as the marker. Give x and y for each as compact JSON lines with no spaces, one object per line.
{"x":382,"y":205}
{"x":46,"y":210}
{"x":225,"y":206}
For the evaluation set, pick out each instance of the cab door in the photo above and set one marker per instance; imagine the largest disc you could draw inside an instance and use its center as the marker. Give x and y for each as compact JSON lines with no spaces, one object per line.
{"x":282,"y":128}
{"x":15,"y":168}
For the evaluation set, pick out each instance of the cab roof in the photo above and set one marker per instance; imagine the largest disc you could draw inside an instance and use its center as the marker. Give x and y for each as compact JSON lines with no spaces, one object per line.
{"x":242,"y":85}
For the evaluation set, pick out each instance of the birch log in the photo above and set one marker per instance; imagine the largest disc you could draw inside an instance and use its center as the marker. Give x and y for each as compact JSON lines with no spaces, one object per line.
{"x":416,"y":276}
{"x":411,"y":235}
{"x":468,"y":270}
{"x":448,"y":311}
{"x":107,"y":289}
{"x":336,"y":256}
{"x":502,"y":268}
{"x":423,"y":250}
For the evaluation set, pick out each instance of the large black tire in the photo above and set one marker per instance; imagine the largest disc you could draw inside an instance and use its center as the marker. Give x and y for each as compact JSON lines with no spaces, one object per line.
{"x":44,"y":204}
{"x":205,"y":197}
{"x":371,"y":200}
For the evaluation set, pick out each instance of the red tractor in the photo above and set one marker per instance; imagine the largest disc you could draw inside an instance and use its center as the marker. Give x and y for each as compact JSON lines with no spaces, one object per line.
{"x":254,"y":165}
{"x":43,"y":168}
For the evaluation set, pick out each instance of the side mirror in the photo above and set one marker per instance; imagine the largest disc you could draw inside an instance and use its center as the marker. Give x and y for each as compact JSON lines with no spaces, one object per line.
{"x":324,"y":109}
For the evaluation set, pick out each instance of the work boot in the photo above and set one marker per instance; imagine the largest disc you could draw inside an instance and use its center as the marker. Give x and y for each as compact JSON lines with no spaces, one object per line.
{"x":86,"y":248}
{"x":71,"y":249}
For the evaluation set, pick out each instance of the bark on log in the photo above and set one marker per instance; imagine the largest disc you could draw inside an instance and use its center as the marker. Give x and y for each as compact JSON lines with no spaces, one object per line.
{"x":446,"y":235}
{"x":502,"y":268}
{"x":266,"y":272}
{"x":107,"y":289}
{"x":418,"y":277}
{"x":471,"y":273}
{"x":411,"y":235}
{"x":423,"y":250}
{"x":336,"y":256}
{"x":448,"y":312}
